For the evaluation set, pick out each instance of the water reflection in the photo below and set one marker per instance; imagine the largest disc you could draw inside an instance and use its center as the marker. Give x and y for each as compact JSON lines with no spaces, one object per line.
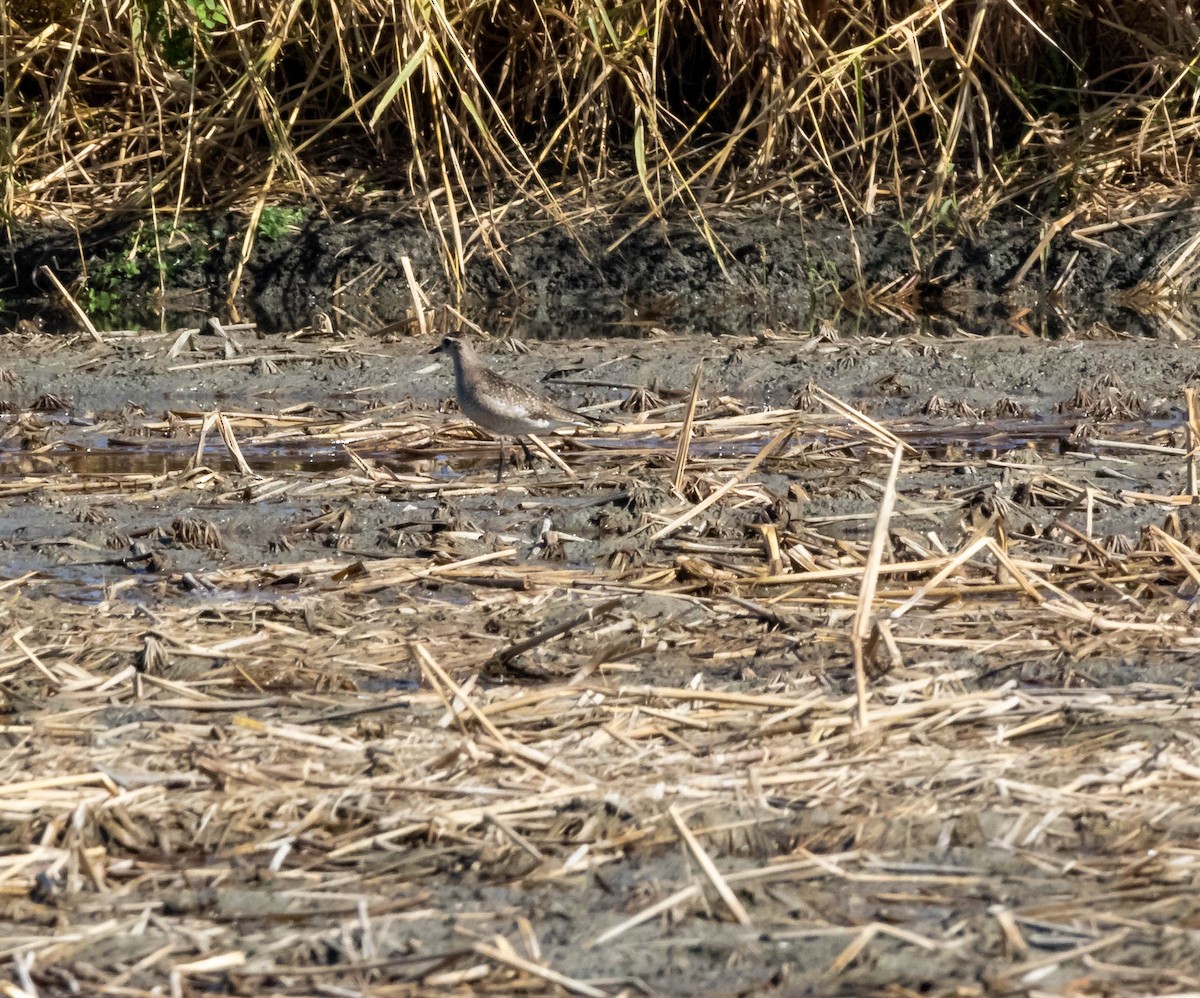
{"x":100,"y":458}
{"x":614,"y":317}
{"x":157,"y":457}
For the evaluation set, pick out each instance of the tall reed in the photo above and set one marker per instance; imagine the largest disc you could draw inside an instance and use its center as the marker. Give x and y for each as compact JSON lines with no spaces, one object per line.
{"x":113,"y":107}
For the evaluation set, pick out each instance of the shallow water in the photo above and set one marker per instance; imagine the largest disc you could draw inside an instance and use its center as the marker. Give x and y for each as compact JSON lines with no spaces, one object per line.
{"x":100,"y":456}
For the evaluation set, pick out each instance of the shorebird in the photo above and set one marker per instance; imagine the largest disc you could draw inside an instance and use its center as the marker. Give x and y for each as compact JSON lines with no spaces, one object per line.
{"x":497,"y":404}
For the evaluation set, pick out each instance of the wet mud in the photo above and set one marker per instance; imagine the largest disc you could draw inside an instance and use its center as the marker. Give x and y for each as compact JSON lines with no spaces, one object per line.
{"x":357,"y":458}
{"x":93,"y":414}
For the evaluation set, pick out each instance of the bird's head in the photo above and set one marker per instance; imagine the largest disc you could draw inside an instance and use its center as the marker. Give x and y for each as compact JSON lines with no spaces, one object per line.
{"x":453,"y":345}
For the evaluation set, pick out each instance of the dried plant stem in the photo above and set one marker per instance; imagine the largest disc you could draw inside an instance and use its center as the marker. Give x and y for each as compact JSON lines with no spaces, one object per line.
{"x":1193,"y":448}
{"x":710,"y":869}
{"x":549,"y":633}
{"x":866,"y":594}
{"x":772,"y":445}
{"x":418,"y":299}
{"x":568,"y":984}
{"x":685,"y":431}
{"x":73,"y":305}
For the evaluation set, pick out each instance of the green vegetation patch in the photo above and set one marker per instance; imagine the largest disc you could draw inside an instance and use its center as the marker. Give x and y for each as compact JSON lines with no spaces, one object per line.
{"x":147,"y":259}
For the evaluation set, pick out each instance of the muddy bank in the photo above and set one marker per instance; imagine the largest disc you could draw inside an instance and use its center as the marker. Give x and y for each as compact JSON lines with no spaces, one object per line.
{"x":780,"y":267}
{"x":356,"y":713}
{"x":100,"y":413}
{"x":96,"y":413}
{"x":963,"y":382}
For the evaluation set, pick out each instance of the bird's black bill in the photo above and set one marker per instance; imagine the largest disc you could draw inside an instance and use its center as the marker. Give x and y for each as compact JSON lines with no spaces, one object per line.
{"x":446,"y":346}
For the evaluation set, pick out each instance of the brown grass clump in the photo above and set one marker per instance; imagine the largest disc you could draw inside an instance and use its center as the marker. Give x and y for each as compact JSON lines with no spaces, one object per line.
{"x":155,"y":106}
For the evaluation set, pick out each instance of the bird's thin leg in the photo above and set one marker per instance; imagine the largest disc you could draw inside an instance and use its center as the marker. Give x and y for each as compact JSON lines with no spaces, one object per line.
{"x":500,"y":465}
{"x":529,"y":458}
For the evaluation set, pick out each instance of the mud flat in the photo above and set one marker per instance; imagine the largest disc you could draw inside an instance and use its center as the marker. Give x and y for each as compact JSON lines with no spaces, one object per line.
{"x":313,"y":706}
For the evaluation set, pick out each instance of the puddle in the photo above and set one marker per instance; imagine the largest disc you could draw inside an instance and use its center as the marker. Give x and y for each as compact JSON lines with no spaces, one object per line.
{"x":106,"y":458}
{"x":103,"y":460}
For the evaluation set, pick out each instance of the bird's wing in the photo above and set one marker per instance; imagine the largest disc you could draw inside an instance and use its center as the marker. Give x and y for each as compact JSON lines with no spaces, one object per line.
{"x":497,"y":384}
{"x":569,"y":415}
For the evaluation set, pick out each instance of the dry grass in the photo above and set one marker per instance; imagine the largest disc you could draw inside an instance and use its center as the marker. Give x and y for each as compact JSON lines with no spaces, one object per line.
{"x":245,"y":804}
{"x":396,"y":774}
{"x":142,"y":110}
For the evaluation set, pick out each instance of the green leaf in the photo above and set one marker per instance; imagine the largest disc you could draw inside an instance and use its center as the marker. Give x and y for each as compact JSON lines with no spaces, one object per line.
{"x":397,"y":84}
{"x":639,"y":158}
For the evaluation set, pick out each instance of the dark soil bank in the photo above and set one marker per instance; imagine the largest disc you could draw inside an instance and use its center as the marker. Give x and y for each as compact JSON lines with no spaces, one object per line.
{"x":778,"y":266}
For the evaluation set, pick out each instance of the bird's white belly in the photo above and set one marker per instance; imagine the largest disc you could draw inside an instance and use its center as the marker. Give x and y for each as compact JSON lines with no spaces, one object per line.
{"x":497,"y":416}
